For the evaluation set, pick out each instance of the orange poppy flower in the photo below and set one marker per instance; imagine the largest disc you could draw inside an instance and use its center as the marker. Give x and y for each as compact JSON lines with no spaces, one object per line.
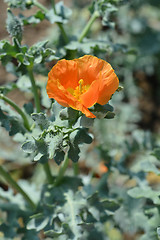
{"x":81,"y":83}
{"x":102,"y":168}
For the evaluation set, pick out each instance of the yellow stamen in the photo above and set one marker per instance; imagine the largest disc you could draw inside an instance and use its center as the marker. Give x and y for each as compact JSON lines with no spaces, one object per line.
{"x":79,"y":90}
{"x":80,"y":85}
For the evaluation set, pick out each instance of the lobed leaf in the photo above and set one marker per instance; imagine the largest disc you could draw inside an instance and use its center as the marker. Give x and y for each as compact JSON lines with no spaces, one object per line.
{"x":145,"y":192}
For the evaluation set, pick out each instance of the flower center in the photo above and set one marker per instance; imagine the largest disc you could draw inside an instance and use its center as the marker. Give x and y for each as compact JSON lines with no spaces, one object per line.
{"x":79,"y":90}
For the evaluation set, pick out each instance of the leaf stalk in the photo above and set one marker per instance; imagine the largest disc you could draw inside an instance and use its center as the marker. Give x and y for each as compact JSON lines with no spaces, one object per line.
{"x":75,"y":168}
{"x":38,"y":108}
{"x":43,"y":8}
{"x":40,"y":6}
{"x":88,"y":26}
{"x":48,"y":172}
{"x":15,"y":185}
{"x":62,"y":170}
{"x":18,"y":109}
{"x":34,"y":89}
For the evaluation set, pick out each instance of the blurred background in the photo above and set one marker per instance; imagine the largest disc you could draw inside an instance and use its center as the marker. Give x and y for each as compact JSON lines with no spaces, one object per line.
{"x":131,"y":43}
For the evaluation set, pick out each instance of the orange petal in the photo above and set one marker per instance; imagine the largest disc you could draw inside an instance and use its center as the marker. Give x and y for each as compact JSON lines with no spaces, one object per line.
{"x":109,"y":85}
{"x":83,"y":109}
{"x":89,"y":68}
{"x":67,"y":73}
{"x":101,"y":76}
{"x":59,"y":93}
{"x":90,"y":97}
{"x":62,"y":96}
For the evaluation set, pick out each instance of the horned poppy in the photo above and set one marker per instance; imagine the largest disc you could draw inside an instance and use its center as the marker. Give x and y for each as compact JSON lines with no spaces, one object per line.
{"x":81,"y":83}
{"x":102,"y":168}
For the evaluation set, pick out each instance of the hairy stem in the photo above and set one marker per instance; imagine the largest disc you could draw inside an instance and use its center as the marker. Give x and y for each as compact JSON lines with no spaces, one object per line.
{"x":38,"y":108}
{"x":18,"y":109}
{"x":43,"y":8}
{"x":65,"y":37}
{"x":53,"y":6}
{"x":48,"y":172}
{"x":15,"y":185}
{"x":88,"y":26}
{"x":40,"y":6}
{"x":62,"y":170}
{"x":34,"y":89}
{"x":75,"y":168}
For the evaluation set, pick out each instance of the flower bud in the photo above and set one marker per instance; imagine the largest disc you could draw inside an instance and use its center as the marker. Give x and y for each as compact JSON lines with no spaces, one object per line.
{"x":14,"y":26}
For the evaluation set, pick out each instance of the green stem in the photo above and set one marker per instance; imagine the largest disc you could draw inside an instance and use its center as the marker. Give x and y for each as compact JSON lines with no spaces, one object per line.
{"x":38,"y":108}
{"x":15,"y":185}
{"x":53,"y":6}
{"x":65,"y":37}
{"x":18,"y":109}
{"x":88,"y":26}
{"x":43,"y":8}
{"x":34,"y":89}
{"x":75,"y":168}
{"x":40,"y":6}
{"x":62,"y":170}
{"x":48,"y":172}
